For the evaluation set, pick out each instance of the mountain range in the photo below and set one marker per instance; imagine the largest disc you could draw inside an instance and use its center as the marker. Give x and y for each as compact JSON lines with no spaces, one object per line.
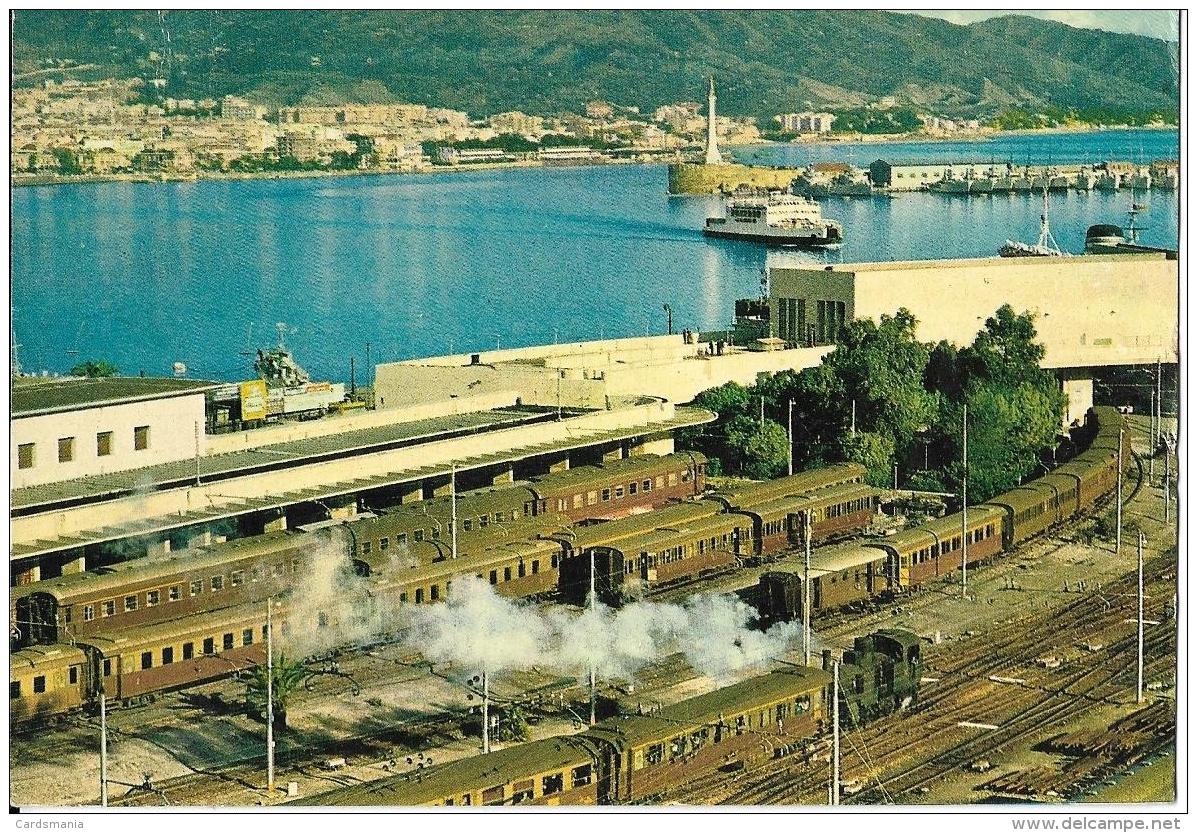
{"x":544,"y":62}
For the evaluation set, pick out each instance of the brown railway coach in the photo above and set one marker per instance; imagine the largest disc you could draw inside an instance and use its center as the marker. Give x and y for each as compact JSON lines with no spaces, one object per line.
{"x":151,"y":591}
{"x":45,"y":681}
{"x":615,"y":488}
{"x":735,"y":495}
{"x":931,"y":550}
{"x":136,"y":662}
{"x":647,"y":757}
{"x":1030,"y":510}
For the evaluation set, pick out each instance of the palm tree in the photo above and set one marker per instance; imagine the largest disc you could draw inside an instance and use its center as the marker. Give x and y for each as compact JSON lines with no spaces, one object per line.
{"x":289,"y":675}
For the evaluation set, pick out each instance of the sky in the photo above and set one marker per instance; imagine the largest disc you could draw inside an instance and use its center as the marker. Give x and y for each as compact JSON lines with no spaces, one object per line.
{"x":1155,"y":23}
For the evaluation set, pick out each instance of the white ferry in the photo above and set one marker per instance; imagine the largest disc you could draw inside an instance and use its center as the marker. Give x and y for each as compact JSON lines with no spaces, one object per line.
{"x":775,"y":219}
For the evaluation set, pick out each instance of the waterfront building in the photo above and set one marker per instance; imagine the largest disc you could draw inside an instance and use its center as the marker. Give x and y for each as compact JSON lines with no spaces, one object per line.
{"x":70,"y":428}
{"x":806,"y":122}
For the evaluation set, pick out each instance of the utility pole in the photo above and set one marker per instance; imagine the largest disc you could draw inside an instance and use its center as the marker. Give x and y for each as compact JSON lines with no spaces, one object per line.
{"x":352,"y":378}
{"x":835,"y":734}
{"x":485,"y":713}
{"x":806,"y":591}
{"x":1139,"y":689}
{"x":1118,"y":520}
{"x":854,"y":417}
{"x":668,"y":318}
{"x":269,"y":697}
{"x":1167,"y":481}
{"x":592,"y":600}
{"x":762,"y":412}
{"x":453,"y":508}
{"x":895,"y":477}
{"x":1154,"y":442}
{"x":790,"y":435}
{"x":103,"y":750}
{"x":1159,"y":403}
{"x":964,"y":512}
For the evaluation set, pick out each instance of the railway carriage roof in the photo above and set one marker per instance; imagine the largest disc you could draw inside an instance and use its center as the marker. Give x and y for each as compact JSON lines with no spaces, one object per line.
{"x":706,"y":709}
{"x":456,"y":778}
{"x":786,"y":504}
{"x":796,"y":484}
{"x":608,"y":532}
{"x":662,"y":535}
{"x":43,"y":656}
{"x":607,"y":471}
{"x":1027,"y":495}
{"x":978,"y":515}
{"x":181,"y":563}
{"x":835,"y":559}
{"x":907,"y":540}
{"x":197,"y":625}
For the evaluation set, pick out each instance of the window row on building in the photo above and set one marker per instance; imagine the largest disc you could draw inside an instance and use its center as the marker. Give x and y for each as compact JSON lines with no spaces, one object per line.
{"x":67,"y":447}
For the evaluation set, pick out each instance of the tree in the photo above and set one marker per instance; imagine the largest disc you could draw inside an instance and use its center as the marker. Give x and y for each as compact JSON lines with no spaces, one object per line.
{"x":95,"y":369}
{"x":765,"y":451}
{"x":512,"y":724}
{"x":288,"y":677}
{"x":873,"y":451}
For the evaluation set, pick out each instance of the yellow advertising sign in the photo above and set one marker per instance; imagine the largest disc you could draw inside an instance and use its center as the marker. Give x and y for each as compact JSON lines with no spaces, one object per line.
{"x":253,"y":400}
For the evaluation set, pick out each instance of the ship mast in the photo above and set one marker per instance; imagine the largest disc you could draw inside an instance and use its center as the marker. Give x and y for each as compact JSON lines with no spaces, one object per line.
{"x":1046,"y":240}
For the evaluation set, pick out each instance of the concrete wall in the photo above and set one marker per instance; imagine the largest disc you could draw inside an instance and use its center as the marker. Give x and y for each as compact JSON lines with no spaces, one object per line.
{"x":172,"y":437}
{"x":1091,"y":311}
{"x":424,"y":386}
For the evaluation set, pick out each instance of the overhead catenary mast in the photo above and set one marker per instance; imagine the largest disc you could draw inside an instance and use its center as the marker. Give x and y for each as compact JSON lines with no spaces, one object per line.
{"x":964,"y":511}
{"x":453,"y":508}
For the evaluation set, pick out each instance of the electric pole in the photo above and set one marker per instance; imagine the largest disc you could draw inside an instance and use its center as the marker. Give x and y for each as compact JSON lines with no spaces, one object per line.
{"x":835,"y":734}
{"x":1139,"y":689}
{"x":1118,"y":519}
{"x":103,"y":750}
{"x":592,"y":599}
{"x":806,"y":591}
{"x":790,"y":435}
{"x":453,"y":508}
{"x":964,"y":512}
{"x":269,"y":697}
{"x":485,"y":713}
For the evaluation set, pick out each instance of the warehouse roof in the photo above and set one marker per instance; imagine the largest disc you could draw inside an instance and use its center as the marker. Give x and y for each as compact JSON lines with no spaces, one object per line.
{"x":35,"y":396}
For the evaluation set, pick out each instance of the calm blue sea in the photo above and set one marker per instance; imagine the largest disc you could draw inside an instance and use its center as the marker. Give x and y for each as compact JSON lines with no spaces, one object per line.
{"x":149,"y":274}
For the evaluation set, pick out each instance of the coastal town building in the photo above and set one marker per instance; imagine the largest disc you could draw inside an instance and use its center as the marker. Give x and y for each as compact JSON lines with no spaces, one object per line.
{"x":806,"y":122}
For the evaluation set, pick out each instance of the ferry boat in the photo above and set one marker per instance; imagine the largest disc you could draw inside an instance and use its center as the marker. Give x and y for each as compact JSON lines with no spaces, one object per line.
{"x":775,"y":219}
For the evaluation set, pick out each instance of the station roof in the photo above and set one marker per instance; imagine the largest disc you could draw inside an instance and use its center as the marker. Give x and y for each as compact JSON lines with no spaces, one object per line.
{"x":35,"y":396}
{"x":685,"y":417}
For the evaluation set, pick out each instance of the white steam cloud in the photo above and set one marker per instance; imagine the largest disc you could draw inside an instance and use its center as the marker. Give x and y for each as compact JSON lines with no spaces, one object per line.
{"x":477,"y":630}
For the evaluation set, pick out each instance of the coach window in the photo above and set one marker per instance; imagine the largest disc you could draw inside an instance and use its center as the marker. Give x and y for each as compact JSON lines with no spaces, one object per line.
{"x":419,"y":595}
{"x":188,"y":650}
{"x":197,"y":587}
{"x":147,"y":660}
{"x":555,"y":560}
{"x":228,"y":642}
{"x":581,"y":776}
{"x":217,"y":583}
{"x":591,"y":498}
{"x":552,"y":784}
{"x":384,"y":544}
{"x":110,"y":607}
{"x":632,"y":487}
{"x":686,"y":476}
{"x":39,"y":685}
{"x":168,"y":656}
{"x":506,"y":574}
{"x":535,"y":567}
{"x":403,"y":598}
{"x":578,"y":498}
{"x":646,"y":486}
{"x":25,"y":455}
{"x":493,"y":795}
{"x":365,"y":547}
{"x":522,"y":569}
{"x":655,"y":754}
{"x":522,"y":791}
{"x":494,"y":576}
{"x":255,"y":574}
{"x":618,"y":492}
{"x":153,"y":597}
{"x":278,"y":570}
{"x":14,"y":689}
{"x":672,"y":478}
{"x":606,"y":494}
{"x":130,"y":604}
{"x":401,"y":538}
{"x":247,"y":636}
{"x":483,"y":521}
{"x":434,"y":593}
{"x":418,"y":535}
{"x":174,"y":593}
{"x":89,"y":612}
{"x":107,"y":668}
{"x":74,"y":675}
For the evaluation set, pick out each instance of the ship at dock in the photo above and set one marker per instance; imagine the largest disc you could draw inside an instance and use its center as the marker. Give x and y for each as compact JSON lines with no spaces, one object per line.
{"x":775,"y":219}
{"x":1045,"y":246}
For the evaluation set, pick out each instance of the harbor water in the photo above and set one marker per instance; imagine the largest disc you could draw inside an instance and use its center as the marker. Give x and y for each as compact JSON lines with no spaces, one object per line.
{"x":146,"y":275}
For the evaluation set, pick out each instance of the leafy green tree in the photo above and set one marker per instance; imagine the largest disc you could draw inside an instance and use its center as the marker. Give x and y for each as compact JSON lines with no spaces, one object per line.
{"x":873,"y":451}
{"x":289,"y":675}
{"x":512,"y":724}
{"x":95,"y":369}
{"x":765,"y":450}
